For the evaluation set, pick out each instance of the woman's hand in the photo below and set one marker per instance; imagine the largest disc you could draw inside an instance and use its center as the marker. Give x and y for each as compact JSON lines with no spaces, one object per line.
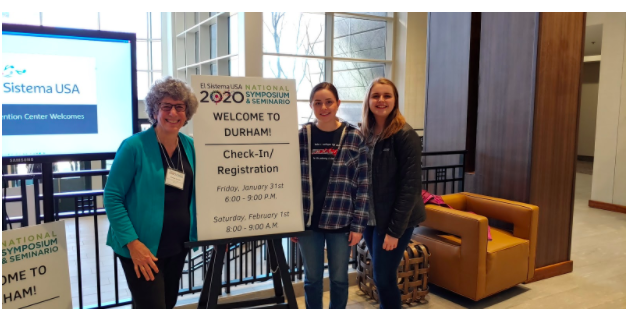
{"x":354,"y":238}
{"x":143,"y":260}
{"x":390,"y":243}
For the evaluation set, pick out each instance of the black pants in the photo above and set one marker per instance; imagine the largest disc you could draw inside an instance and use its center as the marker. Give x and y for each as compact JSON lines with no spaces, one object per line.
{"x":161,"y":293}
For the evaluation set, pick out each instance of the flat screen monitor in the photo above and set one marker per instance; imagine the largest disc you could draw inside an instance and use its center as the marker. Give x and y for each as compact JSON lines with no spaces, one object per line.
{"x":68,"y":94}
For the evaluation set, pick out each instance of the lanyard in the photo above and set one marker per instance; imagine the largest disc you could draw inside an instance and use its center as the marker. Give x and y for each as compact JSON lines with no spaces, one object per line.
{"x":167,"y":158}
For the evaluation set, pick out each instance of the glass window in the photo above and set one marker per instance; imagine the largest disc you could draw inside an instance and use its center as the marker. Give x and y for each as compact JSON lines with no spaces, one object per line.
{"x":155,"y":22}
{"x":125,"y":22}
{"x":213,"y":47}
{"x":149,"y":56}
{"x":207,"y":45}
{"x":68,"y":166}
{"x":196,"y":54}
{"x":305,"y":113}
{"x":381,"y":14}
{"x":142,"y":55}
{"x":350,"y":112}
{"x":83,"y":20}
{"x":359,"y":38}
{"x":156,"y":55}
{"x":293,"y":33}
{"x":233,"y":34}
{"x":353,"y":78}
{"x":24,"y":168}
{"x":156,"y":76}
{"x":32,"y":18}
{"x":233,"y":66}
{"x":307,"y":72}
{"x":142,"y":84}
{"x":298,"y":36}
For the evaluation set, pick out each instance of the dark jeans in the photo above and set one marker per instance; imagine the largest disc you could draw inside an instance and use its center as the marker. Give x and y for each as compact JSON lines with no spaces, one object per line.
{"x":385,"y":266}
{"x":161,"y":293}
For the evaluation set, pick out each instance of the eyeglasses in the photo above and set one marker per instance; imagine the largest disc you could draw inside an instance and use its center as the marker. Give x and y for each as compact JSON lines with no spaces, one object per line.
{"x":178,"y":107}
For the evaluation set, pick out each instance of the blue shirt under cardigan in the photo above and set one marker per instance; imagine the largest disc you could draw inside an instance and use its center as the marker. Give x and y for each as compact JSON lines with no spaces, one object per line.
{"x":134,"y":194}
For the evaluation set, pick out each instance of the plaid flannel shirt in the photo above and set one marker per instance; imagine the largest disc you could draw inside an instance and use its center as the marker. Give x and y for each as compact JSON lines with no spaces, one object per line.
{"x":347,"y":201}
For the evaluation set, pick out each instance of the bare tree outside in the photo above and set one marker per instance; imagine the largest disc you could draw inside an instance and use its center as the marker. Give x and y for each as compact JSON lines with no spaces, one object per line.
{"x":303,"y":34}
{"x":359,"y":39}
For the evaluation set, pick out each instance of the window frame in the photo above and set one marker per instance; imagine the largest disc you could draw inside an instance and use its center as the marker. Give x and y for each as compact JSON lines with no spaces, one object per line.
{"x":329,"y":55}
{"x":193,"y":50}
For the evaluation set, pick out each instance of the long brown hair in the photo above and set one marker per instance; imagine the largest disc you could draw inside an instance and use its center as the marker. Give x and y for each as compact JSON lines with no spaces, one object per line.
{"x":395,"y":121}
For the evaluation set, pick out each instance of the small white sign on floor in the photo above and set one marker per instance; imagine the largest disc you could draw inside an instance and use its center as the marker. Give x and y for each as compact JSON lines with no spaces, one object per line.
{"x":247,"y":157}
{"x":35,"y":272}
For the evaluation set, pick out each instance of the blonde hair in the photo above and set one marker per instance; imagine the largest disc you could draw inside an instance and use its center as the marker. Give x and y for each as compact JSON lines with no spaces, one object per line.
{"x":394,"y":122}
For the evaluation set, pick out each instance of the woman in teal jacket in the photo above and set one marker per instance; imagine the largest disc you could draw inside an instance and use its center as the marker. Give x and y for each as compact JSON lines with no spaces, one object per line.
{"x":150,"y":197}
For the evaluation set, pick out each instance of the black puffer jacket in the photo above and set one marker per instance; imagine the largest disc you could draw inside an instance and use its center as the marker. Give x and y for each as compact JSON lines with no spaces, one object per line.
{"x":396,"y":177}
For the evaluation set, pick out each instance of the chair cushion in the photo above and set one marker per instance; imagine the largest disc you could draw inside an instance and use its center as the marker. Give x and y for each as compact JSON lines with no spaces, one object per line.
{"x":501,"y":239}
{"x":507,"y":261}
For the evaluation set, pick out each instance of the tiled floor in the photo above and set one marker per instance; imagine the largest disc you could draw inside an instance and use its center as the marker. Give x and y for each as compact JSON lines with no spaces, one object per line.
{"x":598,"y":280}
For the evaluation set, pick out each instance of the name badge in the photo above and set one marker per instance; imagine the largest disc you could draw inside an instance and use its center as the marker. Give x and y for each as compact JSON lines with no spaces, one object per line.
{"x":174,"y":178}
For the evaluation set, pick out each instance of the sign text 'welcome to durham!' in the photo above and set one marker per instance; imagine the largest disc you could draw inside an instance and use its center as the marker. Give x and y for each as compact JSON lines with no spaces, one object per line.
{"x":248,"y":162}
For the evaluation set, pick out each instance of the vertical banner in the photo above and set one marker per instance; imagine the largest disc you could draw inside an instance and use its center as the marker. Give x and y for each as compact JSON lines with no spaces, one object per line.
{"x":35,"y":273}
{"x":248,"y":159}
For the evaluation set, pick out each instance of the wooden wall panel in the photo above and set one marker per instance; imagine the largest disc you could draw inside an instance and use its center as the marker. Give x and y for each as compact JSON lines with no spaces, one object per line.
{"x":557,"y":104}
{"x":526,"y":118}
{"x":447,"y":81}
{"x":505,"y":105}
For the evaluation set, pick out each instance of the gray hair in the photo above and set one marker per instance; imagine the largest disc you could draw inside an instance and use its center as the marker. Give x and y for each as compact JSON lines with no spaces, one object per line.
{"x":173,"y":88}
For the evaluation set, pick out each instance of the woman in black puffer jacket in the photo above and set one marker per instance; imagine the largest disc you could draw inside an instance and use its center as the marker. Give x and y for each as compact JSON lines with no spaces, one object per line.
{"x":396,"y":206}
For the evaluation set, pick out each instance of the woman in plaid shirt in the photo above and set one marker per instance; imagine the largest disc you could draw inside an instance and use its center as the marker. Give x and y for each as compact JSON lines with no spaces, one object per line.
{"x":333,"y":160}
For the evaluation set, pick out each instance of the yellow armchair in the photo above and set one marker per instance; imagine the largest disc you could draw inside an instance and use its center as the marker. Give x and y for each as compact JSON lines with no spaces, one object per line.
{"x":463,"y":260}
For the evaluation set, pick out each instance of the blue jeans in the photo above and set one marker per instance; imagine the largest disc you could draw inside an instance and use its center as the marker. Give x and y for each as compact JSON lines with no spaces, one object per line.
{"x":385,"y":266}
{"x":338,"y":252}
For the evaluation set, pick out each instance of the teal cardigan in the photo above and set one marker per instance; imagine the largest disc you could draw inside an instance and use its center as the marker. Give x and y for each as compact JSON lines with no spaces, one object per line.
{"x":134,"y":195}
